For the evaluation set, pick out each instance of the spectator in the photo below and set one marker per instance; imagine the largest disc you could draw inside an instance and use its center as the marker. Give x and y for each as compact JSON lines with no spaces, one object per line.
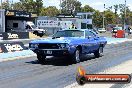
{"x":129,"y":30}
{"x":113,"y":30}
{"x":72,"y":26}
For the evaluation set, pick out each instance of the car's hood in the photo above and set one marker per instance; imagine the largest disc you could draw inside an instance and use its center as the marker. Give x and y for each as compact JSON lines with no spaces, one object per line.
{"x":57,"y":40}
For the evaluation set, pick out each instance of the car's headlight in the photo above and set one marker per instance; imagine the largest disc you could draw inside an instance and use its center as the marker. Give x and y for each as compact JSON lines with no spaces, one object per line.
{"x":64,"y":45}
{"x":34,"y":45}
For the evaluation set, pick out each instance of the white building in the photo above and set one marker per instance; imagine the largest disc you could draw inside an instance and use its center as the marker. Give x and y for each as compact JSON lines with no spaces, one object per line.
{"x":81,"y":20}
{"x":85,"y":20}
{"x":53,"y":24}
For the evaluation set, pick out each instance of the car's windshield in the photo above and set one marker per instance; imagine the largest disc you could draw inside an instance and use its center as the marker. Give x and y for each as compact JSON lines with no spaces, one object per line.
{"x":69,"y":33}
{"x":33,"y":26}
{"x":101,"y":29}
{"x":117,"y":28}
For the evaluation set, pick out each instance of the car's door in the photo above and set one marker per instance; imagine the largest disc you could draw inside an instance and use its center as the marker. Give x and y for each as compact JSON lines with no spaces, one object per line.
{"x":91,"y":41}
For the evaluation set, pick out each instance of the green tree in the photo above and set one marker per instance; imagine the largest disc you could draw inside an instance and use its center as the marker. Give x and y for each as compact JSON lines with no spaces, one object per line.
{"x":128,"y":14}
{"x":97,"y":19}
{"x":18,"y":6}
{"x":49,"y":11}
{"x":39,"y":6}
{"x":27,"y":4}
{"x":71,"y":6}
{"x":109,"y":17}
{"x":6,"y":5}
{"x":129,"y":18}
{"x":116,"y":8}
{"x":32,"y":6}
{"x":87,"y":8}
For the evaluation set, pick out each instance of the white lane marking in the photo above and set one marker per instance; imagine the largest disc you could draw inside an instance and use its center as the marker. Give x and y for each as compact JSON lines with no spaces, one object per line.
{"x":120,"y":41}
{"x":129,"y":86}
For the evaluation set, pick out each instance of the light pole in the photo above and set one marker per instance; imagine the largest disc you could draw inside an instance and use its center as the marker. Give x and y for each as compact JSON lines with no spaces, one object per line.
{"x":60,"y":6}
{"x":1,"y":16}
{"x":103,"y":15}
{"x":125,"y":15}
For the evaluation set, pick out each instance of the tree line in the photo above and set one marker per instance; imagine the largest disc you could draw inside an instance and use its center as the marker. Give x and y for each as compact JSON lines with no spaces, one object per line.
{"x":73,"y":6}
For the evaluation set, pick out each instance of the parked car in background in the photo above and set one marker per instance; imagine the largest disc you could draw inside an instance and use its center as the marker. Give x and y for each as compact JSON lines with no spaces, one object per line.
{"x":71,"y":43}
{"x":114,"y":30}
{"x":24,"y":26}
{"x":101,"y":30}
{"x":30,"y":26}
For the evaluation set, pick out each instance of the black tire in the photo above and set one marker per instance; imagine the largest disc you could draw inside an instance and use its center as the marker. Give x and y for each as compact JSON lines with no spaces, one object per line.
{"x":98,"y":52}
{"x":35,"y":32}
{"x":41,"y":35}
{"x":41,"y":58}
{"x":76,"y":56}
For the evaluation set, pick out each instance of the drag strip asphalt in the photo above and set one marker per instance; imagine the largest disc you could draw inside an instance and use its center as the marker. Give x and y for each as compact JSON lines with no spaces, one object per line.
{"x":59,"y":72}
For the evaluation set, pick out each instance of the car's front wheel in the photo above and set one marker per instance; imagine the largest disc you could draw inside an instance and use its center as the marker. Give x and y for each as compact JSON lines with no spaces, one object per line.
{"x":76,"y":56}
{"x":98,"y":52}
{"x":41,"y":58}
{"x":41,"y":34}
{"x":35,"y":32}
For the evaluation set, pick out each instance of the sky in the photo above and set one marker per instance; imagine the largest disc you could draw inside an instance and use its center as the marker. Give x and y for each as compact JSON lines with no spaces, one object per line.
{"x":96,"y":4}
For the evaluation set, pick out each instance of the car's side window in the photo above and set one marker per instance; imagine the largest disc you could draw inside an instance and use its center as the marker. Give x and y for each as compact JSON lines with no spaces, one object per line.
{"x":94,"y":35}
{"x":89,"y":34}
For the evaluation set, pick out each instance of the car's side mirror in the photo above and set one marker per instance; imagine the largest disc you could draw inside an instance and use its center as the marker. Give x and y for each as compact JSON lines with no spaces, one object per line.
{"x":96,"y":38}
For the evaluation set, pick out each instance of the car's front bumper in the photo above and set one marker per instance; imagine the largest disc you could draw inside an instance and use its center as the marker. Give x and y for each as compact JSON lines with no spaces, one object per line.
{"x":52,"y":52}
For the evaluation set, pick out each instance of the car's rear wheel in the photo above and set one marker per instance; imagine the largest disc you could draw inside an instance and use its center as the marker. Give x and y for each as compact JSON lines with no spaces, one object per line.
{"x":98,"y":52}
{"x":35,"y":32}
{"x":41,"y":58}
{"x":41,"y":34}
{"x":76,"y":56}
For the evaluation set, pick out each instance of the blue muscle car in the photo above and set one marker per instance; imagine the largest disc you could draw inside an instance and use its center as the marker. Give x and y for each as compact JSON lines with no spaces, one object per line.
{"x":69,"y":42}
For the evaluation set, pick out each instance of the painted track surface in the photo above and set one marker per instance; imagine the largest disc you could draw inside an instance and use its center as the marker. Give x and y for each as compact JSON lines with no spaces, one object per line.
{"x":58,"y":72}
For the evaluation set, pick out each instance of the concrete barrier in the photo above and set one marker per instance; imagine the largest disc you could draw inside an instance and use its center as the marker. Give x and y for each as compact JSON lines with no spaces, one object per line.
{"x":12,"y":47}
{"x":14,"y":35}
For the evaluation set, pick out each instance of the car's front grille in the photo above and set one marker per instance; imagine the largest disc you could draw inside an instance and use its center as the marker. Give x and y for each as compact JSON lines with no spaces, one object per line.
{"x":48,"y":46}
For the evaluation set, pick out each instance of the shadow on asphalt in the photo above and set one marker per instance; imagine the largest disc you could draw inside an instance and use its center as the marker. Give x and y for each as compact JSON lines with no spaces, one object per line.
{"x":61,"y":61}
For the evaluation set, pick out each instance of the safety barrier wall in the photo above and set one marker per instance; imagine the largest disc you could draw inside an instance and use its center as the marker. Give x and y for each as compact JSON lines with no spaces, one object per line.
{"x":14,"y":35}
{"x":12,"y":47}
